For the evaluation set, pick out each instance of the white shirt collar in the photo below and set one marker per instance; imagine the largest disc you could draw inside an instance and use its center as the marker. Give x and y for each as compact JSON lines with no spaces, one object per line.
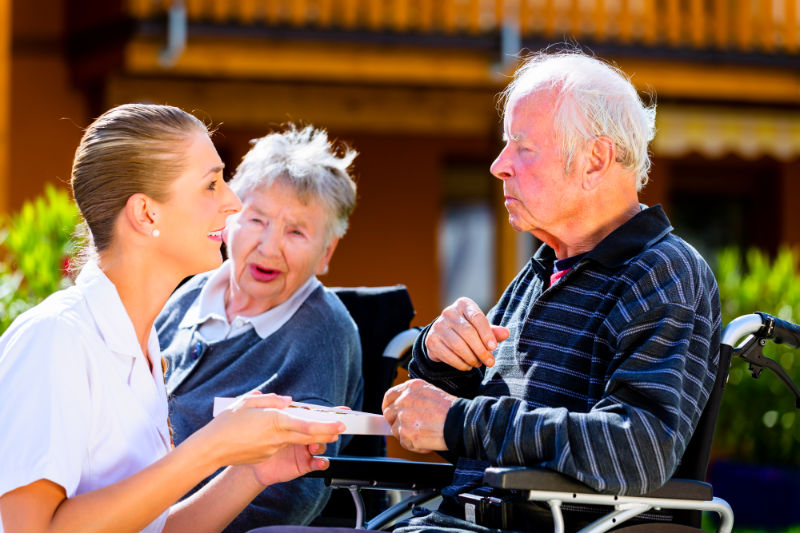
{"x":112,"y":319}
{"x":208,"y":310}
{"x":116,"y":329}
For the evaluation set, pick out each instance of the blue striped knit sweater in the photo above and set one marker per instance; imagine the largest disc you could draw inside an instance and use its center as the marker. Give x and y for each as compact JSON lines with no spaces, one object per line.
{"x":604,"y":375}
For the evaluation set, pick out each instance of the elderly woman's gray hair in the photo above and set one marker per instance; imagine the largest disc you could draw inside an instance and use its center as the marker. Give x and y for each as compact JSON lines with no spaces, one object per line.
{"x":593,"y":99}
{"x":307,"y":161}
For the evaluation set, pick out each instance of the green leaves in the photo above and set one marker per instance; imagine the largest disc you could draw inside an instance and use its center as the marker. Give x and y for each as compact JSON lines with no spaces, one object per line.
{"x":758,"y":421}
{"x":35,"y":247}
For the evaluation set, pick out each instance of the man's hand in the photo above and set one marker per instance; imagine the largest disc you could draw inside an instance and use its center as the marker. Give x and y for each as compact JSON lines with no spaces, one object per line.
{"x":462,"y":336}
{"x":416,"y":410}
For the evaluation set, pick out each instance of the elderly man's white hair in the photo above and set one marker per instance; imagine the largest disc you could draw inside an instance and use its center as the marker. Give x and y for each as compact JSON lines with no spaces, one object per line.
{"x":305,"y":160}
{"x":593,"y":99}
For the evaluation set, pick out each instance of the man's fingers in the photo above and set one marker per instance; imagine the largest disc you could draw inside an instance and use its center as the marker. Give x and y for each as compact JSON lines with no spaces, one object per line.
{"x":462,"y":333}
{"x":479,"y":354}
{"x":391,"y":395}
{"x":473,"y":314}
{"x":454,"y":350}
{"x":500,"y":333}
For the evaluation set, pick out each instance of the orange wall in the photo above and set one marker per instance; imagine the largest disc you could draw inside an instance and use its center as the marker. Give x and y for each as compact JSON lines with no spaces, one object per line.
{"x":392,"y":236}
{"x":47,"y":111}
{"x":392,"y":233}
{"x":5,"y":97}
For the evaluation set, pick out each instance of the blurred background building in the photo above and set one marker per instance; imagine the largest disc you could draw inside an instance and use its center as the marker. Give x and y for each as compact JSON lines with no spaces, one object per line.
{"x":411,"y":85}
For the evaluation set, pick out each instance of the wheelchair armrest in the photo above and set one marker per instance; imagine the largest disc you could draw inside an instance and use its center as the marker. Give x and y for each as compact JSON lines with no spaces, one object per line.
{"x":384,"y":472}
{"x":526,"y":478}
{"x":523,"y":478}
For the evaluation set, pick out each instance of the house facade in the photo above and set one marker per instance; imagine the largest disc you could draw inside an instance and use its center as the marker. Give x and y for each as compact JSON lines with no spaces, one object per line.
{"x":411,"y":85}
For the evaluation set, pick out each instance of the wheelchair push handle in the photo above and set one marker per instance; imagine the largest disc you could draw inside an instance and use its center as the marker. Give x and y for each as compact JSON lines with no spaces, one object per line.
{"x":760,"y":327}
{"x":782,"y":331}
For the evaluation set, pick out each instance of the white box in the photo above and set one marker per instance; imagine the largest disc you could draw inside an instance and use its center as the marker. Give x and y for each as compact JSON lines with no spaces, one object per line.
{"x":356,"y":422}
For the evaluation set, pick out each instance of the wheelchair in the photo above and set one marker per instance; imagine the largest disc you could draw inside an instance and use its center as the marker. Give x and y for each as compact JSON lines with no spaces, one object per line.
{"x":383,"y":316}
{"x":675,"y":507}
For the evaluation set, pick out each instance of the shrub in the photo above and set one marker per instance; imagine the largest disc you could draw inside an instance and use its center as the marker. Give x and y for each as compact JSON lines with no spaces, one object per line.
{"x":36,"y":245}
{"x":758,"y":421}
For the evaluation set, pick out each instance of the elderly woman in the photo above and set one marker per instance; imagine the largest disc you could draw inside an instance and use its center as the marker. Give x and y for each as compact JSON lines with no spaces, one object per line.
{"x":262,"y":321}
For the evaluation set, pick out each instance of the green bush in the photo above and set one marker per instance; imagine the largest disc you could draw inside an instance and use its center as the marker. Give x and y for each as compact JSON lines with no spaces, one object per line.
{"x":758,"y":421}
{"x":36,"y":245}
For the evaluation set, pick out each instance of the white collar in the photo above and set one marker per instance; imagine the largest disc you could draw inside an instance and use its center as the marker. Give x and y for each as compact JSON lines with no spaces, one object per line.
{"x":115,"y":327}
{"x":210,"y":304}
{"x":113,"y":321}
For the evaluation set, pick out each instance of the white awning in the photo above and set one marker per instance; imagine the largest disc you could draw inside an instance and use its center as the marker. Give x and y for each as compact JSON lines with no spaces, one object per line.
{"x":718,"y":131}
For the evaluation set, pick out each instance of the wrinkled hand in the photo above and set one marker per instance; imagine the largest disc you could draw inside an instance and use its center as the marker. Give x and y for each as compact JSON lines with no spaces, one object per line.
{"x":255,"y":428}
{"x":416,"y":410}
{"x":462,"y":336}
{"x":290,"y":462}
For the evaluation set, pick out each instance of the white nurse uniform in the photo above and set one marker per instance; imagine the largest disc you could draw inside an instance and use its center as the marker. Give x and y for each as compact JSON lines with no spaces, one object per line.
{"x":79,"y":404}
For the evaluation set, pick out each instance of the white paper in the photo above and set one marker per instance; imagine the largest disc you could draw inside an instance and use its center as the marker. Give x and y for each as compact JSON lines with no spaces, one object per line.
{"x":356,"y":422}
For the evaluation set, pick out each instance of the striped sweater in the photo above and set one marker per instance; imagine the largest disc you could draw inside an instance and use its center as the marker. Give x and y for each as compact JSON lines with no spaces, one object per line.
{"x":604,"y":375}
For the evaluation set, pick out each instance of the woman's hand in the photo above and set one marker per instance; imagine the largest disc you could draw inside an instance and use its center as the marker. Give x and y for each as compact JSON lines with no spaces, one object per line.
{"x":255,"y":428}
{"x":290,"y":462}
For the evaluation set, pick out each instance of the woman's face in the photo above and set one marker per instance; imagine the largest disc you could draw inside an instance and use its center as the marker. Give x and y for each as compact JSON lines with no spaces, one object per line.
{"x":191,"y":221}
{"x":276,"y":244}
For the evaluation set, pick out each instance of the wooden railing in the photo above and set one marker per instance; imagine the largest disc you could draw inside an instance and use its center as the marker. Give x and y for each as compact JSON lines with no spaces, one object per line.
{"x":766,"y":26}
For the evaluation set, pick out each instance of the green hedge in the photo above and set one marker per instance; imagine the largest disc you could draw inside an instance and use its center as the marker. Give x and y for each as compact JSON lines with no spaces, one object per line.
{"x":36,"y":245}
{"x":758,"y":421}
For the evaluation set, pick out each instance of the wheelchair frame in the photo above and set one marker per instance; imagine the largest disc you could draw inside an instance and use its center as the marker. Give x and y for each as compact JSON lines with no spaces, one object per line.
{"x":557,"y":490}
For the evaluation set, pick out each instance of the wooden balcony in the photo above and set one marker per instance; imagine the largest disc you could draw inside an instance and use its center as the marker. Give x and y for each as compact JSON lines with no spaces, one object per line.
{"x":444,"y":59}
{"x":751,"y":26}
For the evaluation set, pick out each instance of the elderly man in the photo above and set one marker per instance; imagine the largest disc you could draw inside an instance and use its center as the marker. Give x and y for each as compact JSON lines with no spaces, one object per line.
{"x":599,"y":357}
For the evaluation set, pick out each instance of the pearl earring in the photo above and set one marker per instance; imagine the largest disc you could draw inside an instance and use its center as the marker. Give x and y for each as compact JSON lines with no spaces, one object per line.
{"x":156,"y":233}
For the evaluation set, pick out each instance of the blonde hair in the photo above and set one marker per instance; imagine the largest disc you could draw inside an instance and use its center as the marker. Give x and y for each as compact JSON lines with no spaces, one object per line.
{"x":129,"y":149}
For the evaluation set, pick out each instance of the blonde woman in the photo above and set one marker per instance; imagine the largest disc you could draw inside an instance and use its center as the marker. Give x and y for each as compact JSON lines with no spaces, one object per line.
{"x":85,"y":444}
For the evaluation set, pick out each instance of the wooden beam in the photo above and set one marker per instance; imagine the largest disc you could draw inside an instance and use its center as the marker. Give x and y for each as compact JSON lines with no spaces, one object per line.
{"x":549,"y":15}
{"x":766,"y":26}
{"x":649,"y":20}
{"x":407,"y":66}
{"x":752,"y":24}
{"x":368,"y":109}
{"x":315,"y":61}
{"x":744,"y":21}
{"x":721,"y":22}
{"x":473,"y":9}
{"x":723,"y":82}
{"x":600,"y":19}
{"x":697,"y":23}
{"x":625,"y":22}
{"x":791,"y":27}
{"x":400,"y":12}
{"x":673,"y":28}
{"x":449,"y":15}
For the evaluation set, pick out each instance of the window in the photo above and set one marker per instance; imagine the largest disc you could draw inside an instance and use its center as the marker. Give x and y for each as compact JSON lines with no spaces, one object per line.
{"x":467,"y":236}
